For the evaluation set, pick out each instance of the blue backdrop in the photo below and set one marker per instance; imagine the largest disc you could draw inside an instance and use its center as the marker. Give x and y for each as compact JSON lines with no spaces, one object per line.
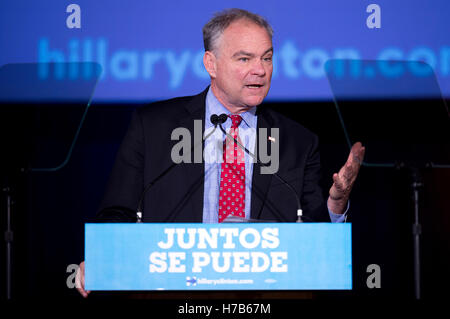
{"x":151,"y":50}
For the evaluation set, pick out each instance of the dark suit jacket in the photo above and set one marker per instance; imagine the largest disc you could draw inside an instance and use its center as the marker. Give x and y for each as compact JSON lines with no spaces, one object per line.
{"x":178,"y":197}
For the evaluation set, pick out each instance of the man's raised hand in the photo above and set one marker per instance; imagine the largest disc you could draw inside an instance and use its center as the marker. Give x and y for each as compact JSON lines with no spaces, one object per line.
{"x":343,"y":180}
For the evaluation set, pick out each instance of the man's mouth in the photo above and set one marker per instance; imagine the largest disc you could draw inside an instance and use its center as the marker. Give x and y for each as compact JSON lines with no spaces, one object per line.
{"x":254,"y":86}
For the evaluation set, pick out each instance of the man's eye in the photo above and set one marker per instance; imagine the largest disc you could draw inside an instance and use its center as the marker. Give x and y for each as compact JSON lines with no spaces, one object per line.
{"x":243,"y":59}
{"x":269,"y":59}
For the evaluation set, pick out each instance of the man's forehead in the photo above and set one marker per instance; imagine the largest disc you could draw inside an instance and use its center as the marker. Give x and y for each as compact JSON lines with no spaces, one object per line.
{"x":246,"y":38}
{"x":243,"y":27}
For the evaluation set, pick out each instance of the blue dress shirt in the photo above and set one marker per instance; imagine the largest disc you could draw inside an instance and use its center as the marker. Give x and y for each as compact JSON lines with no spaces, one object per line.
{"x":213,"y":158}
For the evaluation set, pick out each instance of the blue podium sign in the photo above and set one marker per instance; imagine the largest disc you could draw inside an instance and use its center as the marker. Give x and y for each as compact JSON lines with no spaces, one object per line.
{"x":242,"y":256}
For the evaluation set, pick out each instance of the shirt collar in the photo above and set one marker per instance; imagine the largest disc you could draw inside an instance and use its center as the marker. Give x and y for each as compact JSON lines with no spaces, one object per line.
{"x":213,"y":106}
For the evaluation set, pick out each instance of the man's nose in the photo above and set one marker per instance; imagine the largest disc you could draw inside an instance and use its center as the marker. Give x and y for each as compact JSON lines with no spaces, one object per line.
{"x":258,"y":68}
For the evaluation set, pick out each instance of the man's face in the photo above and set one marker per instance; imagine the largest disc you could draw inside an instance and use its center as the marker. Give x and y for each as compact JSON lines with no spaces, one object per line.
{"x":243,"y":66}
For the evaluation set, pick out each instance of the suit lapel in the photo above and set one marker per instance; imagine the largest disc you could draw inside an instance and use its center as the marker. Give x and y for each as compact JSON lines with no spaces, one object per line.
{"x":260,"y":182}
{"x":194,"y":172}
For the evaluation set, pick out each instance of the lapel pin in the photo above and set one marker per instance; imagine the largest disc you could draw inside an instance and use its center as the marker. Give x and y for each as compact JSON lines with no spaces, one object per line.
{"x":272,"y":139}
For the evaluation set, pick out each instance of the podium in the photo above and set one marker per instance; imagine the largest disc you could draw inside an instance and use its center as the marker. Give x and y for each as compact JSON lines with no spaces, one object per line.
{"x":182,"y":257}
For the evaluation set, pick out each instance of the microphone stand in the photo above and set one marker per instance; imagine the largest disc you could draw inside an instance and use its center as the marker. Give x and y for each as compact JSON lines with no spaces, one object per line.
{"x":416,"y":185}
{"x":222,"y":119}
{"x":8,"y":240}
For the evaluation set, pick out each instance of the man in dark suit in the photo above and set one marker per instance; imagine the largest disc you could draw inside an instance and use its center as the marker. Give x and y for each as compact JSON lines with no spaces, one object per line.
{"x":238,"y":58}
{"x":179,"y":196}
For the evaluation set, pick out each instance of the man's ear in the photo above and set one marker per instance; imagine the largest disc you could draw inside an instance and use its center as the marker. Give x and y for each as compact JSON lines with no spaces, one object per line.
{"x":209,"y":61}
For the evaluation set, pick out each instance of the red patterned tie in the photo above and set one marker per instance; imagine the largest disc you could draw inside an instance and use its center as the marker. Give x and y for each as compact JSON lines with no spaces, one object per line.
{"x":232,"y":176}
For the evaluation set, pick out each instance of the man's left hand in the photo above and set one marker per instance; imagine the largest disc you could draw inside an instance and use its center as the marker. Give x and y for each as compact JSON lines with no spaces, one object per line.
{"x":344,"y":180}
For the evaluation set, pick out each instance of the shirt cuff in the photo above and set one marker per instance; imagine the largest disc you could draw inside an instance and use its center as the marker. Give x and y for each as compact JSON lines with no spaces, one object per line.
{"x":339,"y":218}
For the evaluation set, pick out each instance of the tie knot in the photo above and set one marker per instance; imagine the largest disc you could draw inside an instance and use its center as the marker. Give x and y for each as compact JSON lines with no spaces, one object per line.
{"x":235,"y":120}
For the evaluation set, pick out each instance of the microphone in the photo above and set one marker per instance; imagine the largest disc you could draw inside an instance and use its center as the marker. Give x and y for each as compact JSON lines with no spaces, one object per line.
{"x":223,"y":118}
{"x":215,"y":120}
{"x":218,"y":119}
